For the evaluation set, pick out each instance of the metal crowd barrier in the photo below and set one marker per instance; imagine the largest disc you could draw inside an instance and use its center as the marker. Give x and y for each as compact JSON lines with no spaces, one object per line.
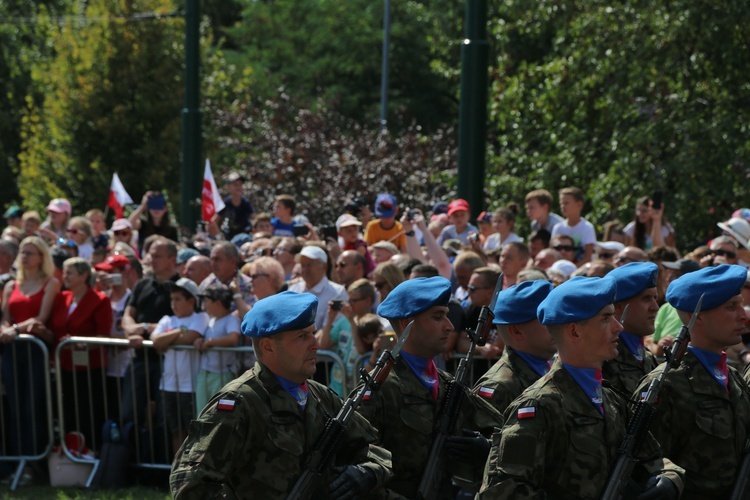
{"x":87,"y":400}
{"x":26,"y":409}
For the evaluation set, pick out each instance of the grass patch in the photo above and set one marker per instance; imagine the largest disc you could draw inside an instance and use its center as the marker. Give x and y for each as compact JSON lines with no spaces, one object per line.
{"x":50,"y":493}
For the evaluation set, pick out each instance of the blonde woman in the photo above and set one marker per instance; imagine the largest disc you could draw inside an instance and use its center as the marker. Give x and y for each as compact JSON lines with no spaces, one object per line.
{"x":27,"y":303}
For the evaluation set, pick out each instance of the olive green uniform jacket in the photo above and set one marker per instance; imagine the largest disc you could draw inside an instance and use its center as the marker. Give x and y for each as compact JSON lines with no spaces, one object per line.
{"x":508,"y":378}
{"x":406,"y":417}
{"x":625,"y":371}
{"x":567,"y":448}
{"x":258,"y":448}
{"x":701,"y":427}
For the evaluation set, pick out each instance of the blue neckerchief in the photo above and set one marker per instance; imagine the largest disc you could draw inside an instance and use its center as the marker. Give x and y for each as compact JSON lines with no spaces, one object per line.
{"x":297,"y":391}
{"x":539,"y":365}
{"x":419,"y":366}
{"x":715,"y":365}
{"x":590,"y":380}
{"x":634,"y":344}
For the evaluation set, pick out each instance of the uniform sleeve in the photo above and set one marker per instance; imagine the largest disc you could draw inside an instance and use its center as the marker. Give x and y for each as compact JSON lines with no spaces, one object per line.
{"x":515,"y":466}
{"x":204,"y":462}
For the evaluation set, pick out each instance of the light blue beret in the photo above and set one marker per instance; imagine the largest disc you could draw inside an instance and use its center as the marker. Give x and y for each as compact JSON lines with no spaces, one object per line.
{"x":633,"y":278}
{"x":415,"y":296}
{"x":577,"y":299}
{"x":518,"y":303}
{"x":719,"y":283}
{"x":278,"y":313}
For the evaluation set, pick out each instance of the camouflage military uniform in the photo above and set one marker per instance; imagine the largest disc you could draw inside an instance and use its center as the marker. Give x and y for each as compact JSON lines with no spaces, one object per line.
{"x":700,"y":426}
{"x":258,"y":448}
{"x":405,"y":415}
{"x":565,"y":449}
{"x":625,"y":371}
{"x":508,"y":378}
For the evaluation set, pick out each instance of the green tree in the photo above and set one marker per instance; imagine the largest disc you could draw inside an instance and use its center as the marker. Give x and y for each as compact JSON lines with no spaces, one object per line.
{"x":622,"y":98}
{"x":112,"y":98}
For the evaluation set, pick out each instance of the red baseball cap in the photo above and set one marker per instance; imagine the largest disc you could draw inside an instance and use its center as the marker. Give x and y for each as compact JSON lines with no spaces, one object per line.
{"x":457,"y":205}
{"x":113,"y":262}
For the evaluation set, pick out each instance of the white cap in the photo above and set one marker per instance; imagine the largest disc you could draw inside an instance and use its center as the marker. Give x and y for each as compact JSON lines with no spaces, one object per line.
{"x":347,"y":220}
{"x":610,"y":245}
{"x":315,"y":253}
{"x":738,"y":228}
{"x":564,"y":267}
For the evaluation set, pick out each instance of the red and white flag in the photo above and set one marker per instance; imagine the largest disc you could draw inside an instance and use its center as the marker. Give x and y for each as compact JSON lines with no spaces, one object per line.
{"x":118,"y":197}
{"x":211,"y":199}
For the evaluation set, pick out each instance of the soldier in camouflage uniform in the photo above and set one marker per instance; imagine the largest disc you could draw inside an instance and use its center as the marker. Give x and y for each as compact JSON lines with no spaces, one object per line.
{"x":636,"y":290}
{"x":528,"y":345}
{"x":252,"y":438}
{"x":405,"y":409}
{"x":562,"y":434}
{"x":702,"y":417}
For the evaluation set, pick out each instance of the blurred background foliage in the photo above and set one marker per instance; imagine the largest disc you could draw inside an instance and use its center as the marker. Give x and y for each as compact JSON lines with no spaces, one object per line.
{"x":620,"y":98}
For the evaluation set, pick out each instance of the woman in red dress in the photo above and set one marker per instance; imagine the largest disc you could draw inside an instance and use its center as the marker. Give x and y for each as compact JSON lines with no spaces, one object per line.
{"x":27,"y":303}
{"x":80,"y":311}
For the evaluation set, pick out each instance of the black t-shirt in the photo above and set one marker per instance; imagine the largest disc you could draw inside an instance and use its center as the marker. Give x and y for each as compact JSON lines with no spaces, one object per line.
{"x":147,"y":229}
{"x":151,"y":301}
{"x":236,"y":219}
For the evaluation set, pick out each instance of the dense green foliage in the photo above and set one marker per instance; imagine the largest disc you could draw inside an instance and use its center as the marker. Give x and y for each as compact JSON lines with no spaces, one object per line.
{"x":620,"y":98}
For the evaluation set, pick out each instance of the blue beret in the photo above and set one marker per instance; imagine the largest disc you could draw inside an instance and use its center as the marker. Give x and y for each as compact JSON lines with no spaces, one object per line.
{"x":633,"y":278}
{"x":577,"y":299}
{"x":415,"y":296}
{"x":283,"y":312}
{"x":518,"y":303}
{"x":719,"y":283}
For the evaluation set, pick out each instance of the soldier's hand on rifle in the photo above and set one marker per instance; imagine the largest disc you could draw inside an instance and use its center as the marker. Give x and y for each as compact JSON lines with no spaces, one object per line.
{"x":659,"y":488}
{"x":470,"y":447}
{"x":352,"y":481}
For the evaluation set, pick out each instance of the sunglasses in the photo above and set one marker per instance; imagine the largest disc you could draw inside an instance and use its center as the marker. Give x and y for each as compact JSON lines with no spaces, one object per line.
{"x":341,"y":264}
{"x":472,"y":288}
{"x":626,"y":260}
{"x":122,"y":233}
{"x":564,"y":248}
{"x":380,"y":285}
{"x":725,"y":253}
{"x":606,"y":255}
{"x":73,"y":230}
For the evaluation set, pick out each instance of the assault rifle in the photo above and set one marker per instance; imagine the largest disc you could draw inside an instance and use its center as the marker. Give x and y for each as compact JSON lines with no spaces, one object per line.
{"x":432,"y":477}
{"x":321,"y":456}
{"x":639,"y":422}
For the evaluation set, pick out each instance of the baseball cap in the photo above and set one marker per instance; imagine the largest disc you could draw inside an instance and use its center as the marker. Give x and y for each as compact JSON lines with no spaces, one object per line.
{"x":314,"y":252}
{"x":113,"y":262}
{"x":60,"y":205}
{"x":347,"y":220}
{"x":440,"y":207}
{"x":738,"y":228}
{"x":120,"y":224}
{"x":189,"y":286}
{"x":386,"y":245}
{"x":185,"y":254}
{"x":385,"y":205}
{"x":684,"y":265}
{"x":484,"y":217}
{"x":457,"y":206}
{"x":12,"y":212}
{"x":234,"y":176}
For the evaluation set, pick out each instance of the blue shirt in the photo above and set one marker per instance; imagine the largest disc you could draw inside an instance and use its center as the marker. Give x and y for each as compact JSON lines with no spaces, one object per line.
{"x":426,"y":374}
{"x":281,"y":229}
{"x":297,"y":391}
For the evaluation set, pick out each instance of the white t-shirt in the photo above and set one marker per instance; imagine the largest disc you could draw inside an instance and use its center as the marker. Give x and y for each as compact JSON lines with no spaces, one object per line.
{"x":582,"y":233}
{"x":118,"y":359}
{"x":180,"y":366}
{"x":493,"y":241}
{"x":220,"y":361}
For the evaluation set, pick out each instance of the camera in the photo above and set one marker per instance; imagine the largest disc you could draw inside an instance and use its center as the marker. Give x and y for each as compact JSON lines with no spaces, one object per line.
{"x":411,"y":214}
{"x":336,"y":305}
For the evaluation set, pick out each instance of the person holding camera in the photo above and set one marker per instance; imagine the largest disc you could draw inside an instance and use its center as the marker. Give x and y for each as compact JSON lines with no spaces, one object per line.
{"x":156,"y":221}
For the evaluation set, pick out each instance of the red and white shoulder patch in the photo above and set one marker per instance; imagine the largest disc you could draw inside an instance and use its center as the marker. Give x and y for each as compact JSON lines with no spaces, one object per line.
{"x":226,"y":405}
{"x":527,"y":412}
{"x":486,"y":392}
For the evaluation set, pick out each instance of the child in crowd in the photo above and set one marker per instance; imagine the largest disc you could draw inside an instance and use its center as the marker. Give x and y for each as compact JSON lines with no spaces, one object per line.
{"x":347,"y":227}
{"x":179,"y":366}
{"x":386,"y":227}
{"x":59,"y":212}
{"x":263,"y":224}
{"x":503,"y":221}
{"x":99,"y":235}
{"x":216,"y":368}
{"x":459,"y":227}
{"x":31,"y":222}
{"x":484,"y":223}
{"x":283,"y":211}
{"x":575,"y":226}
{"x":79,"y":230}
{"x":539,"y":210}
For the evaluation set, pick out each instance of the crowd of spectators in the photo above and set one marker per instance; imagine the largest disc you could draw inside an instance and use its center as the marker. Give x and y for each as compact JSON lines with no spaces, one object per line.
{"x":70,"y":275}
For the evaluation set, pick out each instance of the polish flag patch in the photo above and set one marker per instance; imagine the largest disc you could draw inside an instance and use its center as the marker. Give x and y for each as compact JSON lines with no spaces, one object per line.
{"x":486,"y":392}
{"x":367,"y":395}
{"x":528,"y":412}
{"x":225,"y":405}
